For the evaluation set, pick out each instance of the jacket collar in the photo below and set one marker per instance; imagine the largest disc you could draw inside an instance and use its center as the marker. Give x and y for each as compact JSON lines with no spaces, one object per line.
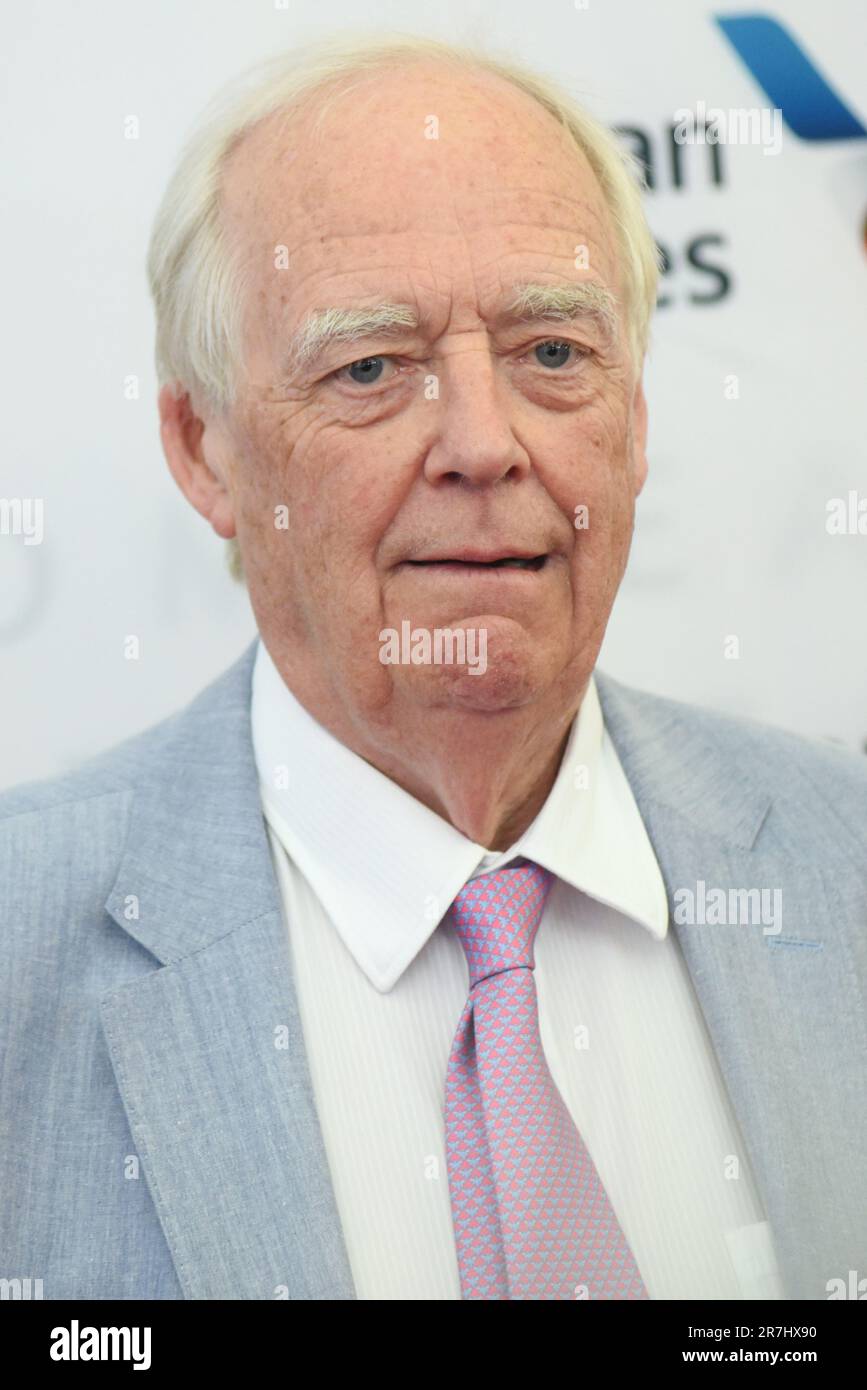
{"x":197,"y":857}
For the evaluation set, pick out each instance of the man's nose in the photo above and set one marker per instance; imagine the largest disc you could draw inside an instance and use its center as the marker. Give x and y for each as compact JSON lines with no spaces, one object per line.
{"x":475,"y":440}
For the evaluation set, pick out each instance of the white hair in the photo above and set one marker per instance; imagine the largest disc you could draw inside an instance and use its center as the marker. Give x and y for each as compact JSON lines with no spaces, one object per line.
{"x":197,"y":277}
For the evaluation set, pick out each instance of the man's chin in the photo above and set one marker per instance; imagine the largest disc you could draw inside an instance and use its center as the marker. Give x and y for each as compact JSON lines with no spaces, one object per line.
{"x":486,"y":664}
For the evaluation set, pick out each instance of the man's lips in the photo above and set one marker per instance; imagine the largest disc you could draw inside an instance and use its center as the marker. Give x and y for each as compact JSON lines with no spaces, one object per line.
{"x":477,"y":560}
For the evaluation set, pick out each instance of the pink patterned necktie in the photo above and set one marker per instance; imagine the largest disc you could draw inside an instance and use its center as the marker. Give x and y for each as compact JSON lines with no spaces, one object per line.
{"x":530,"y":1215}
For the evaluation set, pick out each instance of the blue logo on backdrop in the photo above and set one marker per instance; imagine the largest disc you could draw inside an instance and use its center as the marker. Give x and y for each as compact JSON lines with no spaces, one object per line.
{"x":811,"y":108}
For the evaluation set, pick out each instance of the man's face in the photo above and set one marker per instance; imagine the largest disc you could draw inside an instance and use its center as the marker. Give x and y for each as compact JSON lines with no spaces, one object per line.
{"x":406,"y":461}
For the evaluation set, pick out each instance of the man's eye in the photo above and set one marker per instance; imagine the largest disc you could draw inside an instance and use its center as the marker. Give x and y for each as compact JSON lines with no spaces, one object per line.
{"x":365,"y":371}
{"x":555,"y":352}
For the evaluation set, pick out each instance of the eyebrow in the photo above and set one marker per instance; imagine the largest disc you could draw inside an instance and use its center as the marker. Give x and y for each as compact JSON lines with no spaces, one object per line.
{"x":553,"y":303}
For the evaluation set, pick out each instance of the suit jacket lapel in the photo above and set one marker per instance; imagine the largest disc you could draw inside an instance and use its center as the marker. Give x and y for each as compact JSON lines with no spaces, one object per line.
{"x":775,"y":1003}
{"x":208,"y":1051}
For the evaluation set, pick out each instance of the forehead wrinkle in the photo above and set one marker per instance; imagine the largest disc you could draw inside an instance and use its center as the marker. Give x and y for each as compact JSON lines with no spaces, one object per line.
{"x":274,"y":160}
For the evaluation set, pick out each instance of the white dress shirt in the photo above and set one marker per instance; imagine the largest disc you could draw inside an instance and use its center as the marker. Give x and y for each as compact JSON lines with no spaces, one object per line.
{"x":366,"y":875}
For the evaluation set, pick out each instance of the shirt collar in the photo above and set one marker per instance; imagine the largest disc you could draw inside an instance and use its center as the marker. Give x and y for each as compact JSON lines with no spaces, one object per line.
{"x":386,"y":868}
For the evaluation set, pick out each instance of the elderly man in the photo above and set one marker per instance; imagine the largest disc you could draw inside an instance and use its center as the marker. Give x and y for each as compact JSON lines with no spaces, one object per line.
{"x":417,"y":958}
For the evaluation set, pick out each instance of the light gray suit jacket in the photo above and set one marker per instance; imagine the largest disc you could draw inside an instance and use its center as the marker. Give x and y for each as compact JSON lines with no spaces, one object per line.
{"x":155,"y":1143}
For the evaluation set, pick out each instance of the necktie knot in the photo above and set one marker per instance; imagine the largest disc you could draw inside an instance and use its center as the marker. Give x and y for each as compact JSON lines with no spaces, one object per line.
{"x":496,"y":917}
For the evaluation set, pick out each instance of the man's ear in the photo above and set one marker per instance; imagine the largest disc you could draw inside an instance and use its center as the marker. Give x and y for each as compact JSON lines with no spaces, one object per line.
{"x":196,"y":461}
{"x":639,"y":436}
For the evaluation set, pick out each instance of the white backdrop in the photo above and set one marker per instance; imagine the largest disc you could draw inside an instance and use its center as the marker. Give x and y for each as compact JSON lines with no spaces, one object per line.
{"x":731,"y":532}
